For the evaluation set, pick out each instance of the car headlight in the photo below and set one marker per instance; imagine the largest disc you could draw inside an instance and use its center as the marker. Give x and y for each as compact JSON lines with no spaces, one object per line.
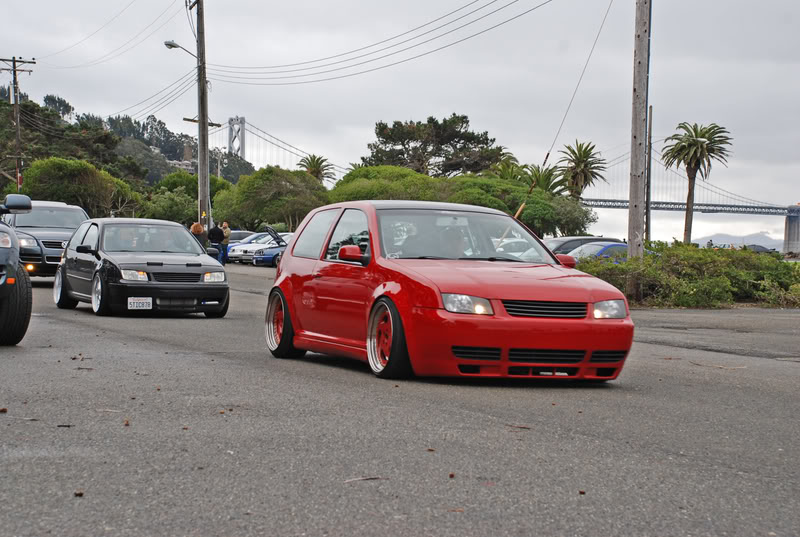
{"x":211,"y":277}
{"x":28,"y":243}
{"x":467,"y":304}
{"x":258,"y":252}
{"x":134,"y":275}
{"x":610,"y":309}
{"x":5,"y":240}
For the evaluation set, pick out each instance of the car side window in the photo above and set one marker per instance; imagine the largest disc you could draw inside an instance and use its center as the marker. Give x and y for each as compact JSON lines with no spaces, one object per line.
{"x":78,"y":236}
{"x":309,"y":243}
{"x":352,"y":229}
{"x":90,"y":239}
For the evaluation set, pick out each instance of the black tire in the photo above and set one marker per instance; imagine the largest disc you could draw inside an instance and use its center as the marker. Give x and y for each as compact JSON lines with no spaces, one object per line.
{"x":279,"y":334}
{"x":395,"y":363}
{"x":15,"y":310}
{"x":61,"y":291}
{"x":221,"y":313}
{"x":100,"y":304}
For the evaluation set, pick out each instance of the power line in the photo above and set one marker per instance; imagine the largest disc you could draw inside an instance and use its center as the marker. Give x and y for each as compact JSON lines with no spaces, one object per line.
{"x":166,"y":100}
{"x":350,"y":51}
{"x":109,"y":21}
{"x":191,"y":22}
{"x":381,"y":49}
{"x":459,"y":41}
{"x":305,"y":153}
{"x":113,"y":54}
{"x":185,"y":77}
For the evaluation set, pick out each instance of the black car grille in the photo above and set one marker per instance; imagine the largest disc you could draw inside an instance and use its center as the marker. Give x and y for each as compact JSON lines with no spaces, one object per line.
{"x":476,"y":353}
{"x":53,"y":244}
{"x":30,"y":258}
{"x":177,"y":277}
{"x":605,"y":357}
{"x":546,"y":356}
{"x":536,"y":308}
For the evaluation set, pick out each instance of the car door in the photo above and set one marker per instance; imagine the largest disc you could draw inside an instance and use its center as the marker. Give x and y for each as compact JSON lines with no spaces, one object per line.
{"x":71,"y":257}
{"x":85,"y":263}
{"x":342,"y":289}
{"x":305,"y":254}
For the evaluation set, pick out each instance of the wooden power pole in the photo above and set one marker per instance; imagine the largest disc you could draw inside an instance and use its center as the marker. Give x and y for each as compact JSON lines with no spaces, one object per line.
{"x":13,"y":62}
{"x":636,"y":200}
{"x":203,"y":188}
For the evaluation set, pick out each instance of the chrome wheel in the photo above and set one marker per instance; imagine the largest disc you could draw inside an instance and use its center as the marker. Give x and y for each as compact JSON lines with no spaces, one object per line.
{"x":97,"y":294}
{"x":57,"y":287}
{"x":379,"y":337}
{"x":273,"y":327}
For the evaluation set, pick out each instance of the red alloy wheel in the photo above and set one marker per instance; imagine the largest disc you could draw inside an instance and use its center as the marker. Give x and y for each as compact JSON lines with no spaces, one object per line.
{"x":384,"y":337}
{"x":277,"y":321}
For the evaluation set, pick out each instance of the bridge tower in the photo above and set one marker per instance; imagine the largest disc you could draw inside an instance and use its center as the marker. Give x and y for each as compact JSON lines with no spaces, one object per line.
{"x":236,"y":132}
{"x":791,"y":233}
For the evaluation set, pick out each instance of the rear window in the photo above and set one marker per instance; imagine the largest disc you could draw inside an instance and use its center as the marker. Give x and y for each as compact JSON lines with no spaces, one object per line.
{"x":309,"y":243}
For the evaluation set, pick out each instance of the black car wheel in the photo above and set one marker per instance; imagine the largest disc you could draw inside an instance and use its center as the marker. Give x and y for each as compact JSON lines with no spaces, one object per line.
{"x":222,"y":312}
{"x":61,"y":292}
{"x":15,"y":310}
{"x":100,"y":298}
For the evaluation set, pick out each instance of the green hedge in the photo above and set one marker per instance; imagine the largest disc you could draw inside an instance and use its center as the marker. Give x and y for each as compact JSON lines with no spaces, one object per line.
{"x":685,"y":276}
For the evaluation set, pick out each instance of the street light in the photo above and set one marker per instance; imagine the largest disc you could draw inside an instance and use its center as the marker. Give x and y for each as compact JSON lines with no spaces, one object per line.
{"x":203,"y":188}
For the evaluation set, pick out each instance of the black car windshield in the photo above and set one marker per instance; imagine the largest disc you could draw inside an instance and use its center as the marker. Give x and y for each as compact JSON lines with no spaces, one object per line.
{"x":60,"y":217}
{"x":444,"y":234}
{"x":149,"y":238}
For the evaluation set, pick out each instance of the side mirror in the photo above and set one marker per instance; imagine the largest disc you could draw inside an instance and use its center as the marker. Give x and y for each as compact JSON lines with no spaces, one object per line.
{"x":85,"y":249}
{"x":15,"y":204}
{"x":213,"y":252}
{"x":353,"y":253}
{"x":566,"y":260}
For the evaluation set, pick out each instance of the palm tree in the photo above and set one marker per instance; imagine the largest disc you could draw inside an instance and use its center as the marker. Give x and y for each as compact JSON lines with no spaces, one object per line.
{"x":317,"y":166}
{"x":547,"y":179}
{"x":694,"y":149}
{"x":510,"y":170}
{"x":580,"y":167}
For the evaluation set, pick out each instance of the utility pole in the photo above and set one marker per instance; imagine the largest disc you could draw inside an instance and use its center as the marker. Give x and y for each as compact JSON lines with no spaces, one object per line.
{"x":648,"y":187}
{"x":636,"y":199}
{"x":203,"y":188}
{"x":14,"y":61}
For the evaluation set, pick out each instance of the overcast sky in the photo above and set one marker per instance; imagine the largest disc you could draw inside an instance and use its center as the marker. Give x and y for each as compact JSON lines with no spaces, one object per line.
{"x":732,"y":62}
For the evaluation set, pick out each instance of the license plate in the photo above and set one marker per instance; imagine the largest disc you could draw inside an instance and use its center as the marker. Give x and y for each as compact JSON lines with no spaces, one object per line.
{"x":140,"y":303}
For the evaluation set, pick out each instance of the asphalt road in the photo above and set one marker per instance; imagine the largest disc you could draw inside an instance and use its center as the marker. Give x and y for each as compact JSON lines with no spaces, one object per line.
{"x":185,"y":426}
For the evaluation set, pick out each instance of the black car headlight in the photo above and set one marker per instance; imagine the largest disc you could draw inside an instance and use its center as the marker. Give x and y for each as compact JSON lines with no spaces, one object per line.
{"x":27,"y":243}
{"x":214,"y":277}
{"x":134,"y":275}
{"x":5,"y":240}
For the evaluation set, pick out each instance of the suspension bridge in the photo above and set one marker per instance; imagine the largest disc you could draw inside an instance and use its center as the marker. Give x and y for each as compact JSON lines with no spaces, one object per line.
{"x":669,"y":187}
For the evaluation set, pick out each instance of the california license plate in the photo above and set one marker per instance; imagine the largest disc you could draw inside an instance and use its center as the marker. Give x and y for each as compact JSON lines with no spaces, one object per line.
{"x":140,"y":303}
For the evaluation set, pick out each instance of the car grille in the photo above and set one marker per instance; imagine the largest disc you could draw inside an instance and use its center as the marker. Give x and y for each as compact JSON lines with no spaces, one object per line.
{"x":177,"y":277}
{"x":546,"y":356}
{"x":53,"y":259}
{"x":477,"y":353}
{"x":30,"y":258}
{"x":535,"y":308}
{"x":53,"y":244}
{"x":604,"y":357}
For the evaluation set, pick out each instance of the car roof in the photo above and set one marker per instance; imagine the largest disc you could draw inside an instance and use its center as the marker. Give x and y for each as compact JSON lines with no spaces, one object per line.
{"x":599,"y":239}
{"x":410,"y":204}
{"x":39,"y":203}
{"x":140,"y":221}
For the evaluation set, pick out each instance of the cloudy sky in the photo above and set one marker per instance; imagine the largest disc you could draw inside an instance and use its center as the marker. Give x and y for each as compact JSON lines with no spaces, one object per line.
{"x":732,"y":62}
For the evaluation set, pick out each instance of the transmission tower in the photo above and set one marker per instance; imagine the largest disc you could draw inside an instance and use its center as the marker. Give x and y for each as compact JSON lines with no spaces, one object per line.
{"x":236,"y":132}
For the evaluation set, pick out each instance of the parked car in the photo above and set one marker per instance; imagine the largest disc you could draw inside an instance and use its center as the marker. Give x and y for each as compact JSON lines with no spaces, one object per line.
{"x":270,"y":254}
{"x":243,"y":253}
{"x":600,"y":249}
{"x":235,"y":255}
{"x":564,"y":245}
{"x":42,"y":233}
{"x":237,"y":235}
{"x":16,"y":297}
{"x":757,"y":248}
{"x":130,"y":264}
{"x":419,"y":287}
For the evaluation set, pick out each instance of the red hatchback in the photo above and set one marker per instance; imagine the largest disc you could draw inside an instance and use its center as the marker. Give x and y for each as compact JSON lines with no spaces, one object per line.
{"x":420,"y":287}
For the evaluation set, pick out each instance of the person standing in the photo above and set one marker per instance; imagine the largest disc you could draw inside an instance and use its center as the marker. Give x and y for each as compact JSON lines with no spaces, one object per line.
{"x":226,"y":231}
{"x":215,"y":237}
{"x":199,"y":233}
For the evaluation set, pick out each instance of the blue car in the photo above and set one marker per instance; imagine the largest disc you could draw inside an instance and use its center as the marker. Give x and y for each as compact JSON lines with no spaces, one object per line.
{"x":234,"y":254}
{"x":615,"y":251}
{"x":270,"y":254}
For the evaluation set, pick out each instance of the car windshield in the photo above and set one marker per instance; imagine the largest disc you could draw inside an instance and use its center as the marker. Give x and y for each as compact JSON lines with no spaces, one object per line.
{"x":61,"y":217}
{"x":587,"y":250}
{"x":445,"y":234}
{"x":553,"y":243}
{"x":149,"y":238}
{"x":266,"y":239}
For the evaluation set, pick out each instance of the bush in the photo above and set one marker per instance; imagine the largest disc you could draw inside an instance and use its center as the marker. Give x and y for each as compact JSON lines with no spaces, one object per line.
{"x":683,"y":276}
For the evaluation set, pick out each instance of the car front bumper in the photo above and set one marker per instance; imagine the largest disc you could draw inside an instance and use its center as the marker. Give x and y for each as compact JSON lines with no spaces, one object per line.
{"x":40,"y":261}
{"x":441,"y":343}
{"x":171,"y":297}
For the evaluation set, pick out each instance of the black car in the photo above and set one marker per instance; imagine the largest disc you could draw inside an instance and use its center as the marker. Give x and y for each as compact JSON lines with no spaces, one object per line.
{"x":43,"y":232}
{"x":16,"y":297}
{"x":564,"y":245}
{"x":134,"y":264}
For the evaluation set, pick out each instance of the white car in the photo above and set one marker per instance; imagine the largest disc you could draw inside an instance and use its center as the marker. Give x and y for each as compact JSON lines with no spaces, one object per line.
{"x":243,"y":253}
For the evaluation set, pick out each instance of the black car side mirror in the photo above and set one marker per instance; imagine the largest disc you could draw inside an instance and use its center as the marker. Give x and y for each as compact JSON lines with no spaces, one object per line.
{"x":15,"y":204}
{"x":213,"y":252}
{"x":85,"y":249}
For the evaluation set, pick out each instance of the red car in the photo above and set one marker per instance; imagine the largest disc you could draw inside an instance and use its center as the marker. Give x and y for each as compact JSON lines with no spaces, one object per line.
{"x":419,"y":287}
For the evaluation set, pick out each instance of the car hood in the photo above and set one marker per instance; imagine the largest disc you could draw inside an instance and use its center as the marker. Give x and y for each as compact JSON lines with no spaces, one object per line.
{"x":45,"y":233}
{"x":251,"y":247}
{"x":511,"y":281}
{"x":136,"y":259}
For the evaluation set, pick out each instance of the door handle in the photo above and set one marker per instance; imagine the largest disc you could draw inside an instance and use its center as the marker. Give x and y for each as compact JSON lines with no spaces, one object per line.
{"x":317,"y":276}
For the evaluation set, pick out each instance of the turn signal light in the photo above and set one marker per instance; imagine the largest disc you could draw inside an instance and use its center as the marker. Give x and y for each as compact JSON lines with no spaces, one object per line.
{"x":11,"y":281}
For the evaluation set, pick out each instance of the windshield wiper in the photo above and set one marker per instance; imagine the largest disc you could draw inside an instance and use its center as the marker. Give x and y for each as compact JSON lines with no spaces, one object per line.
{"x":511,"y":259}
{"x":424,"y":257}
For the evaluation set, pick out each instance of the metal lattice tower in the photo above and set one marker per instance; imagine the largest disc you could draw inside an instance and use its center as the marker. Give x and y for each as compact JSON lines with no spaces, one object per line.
{"x":236,"y":133}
